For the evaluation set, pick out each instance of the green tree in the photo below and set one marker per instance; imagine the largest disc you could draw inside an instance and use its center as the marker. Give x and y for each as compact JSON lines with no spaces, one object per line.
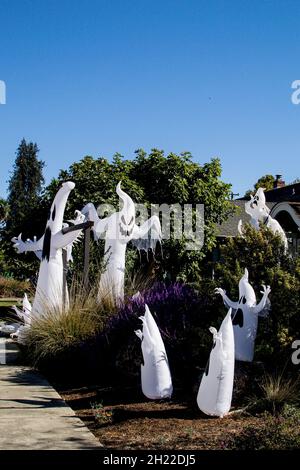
{"x":24,"y":190}
{"x":24,"y":211}
{"x":3,"y":210}
{"x":266,"y":182}
{"x":262,"y":253}
{"x":154,"y":178}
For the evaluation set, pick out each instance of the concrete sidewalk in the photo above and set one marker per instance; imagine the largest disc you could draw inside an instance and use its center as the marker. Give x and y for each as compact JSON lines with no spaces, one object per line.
{"x":34,"y":417}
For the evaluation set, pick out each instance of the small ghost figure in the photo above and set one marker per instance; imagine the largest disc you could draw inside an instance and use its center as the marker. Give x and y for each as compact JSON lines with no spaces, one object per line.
{"x":155,"y":372}
{"x":245,"y":316}
{"x":215,"y":391}
{"x":25,"y":316}
{"x":119,"y":229}
{"x":25,"y":313}
{"x":260,"y":213}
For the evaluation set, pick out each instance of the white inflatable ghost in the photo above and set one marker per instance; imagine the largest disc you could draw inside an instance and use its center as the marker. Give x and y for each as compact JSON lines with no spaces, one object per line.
{"x":215,"y":391}
{"x":25,"y":313}
{"x":257,"y":207}
{"x":245,"y":316}
{"x":119,"y":229}
{"x":155,"y":372}
{"x":25,"y":316}
{"x":49,"y":291}
{"x":260,"y":213}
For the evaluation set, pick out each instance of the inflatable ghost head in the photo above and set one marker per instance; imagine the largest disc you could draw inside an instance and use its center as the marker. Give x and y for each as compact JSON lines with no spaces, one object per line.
{"x":258,"y":204}
{"x":245,"y":314}
{"x":126,"y":216}
{"x":260,"y":213}
{"x":257,"y":208}
{"x":155,"y":372}
{"x":215,"y":391}
{"x":119,"y":229}
{"x":49,"y":293}
{"x":246,"y":292}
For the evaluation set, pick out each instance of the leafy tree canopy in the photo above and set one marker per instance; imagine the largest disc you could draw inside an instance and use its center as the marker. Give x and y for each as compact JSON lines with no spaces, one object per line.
{"x":154,"y":178}
{"x":266,"y":182}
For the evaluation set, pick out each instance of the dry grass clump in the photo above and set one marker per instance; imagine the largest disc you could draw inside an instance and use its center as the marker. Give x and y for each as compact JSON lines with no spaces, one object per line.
{"x":57,"y":331}
{"x":10,"y":287}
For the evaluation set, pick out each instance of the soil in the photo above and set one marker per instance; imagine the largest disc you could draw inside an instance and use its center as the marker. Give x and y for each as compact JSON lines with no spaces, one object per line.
{"x":136,"y":423}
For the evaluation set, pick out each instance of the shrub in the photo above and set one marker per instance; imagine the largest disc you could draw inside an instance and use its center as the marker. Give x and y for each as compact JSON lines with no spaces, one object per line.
{"x":183,"y":316}
{"x":263,"y":254}
{"x":10,"y":287}
{"x":276,"y":391}
{"x":56,"y":336}
{"x":102,"y":415}
{"x":275,"y":433}
{"x":93,"y":341}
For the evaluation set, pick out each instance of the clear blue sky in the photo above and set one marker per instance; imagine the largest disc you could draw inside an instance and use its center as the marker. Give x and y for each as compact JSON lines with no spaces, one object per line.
{"x":99,"y":77}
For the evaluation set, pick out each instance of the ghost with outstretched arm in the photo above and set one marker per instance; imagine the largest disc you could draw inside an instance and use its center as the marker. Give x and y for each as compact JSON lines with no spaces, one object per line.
{"x":49,"y":293}
{"x":245,"y":314}
{"x":260,"y":214}
{"x":118,"y":230}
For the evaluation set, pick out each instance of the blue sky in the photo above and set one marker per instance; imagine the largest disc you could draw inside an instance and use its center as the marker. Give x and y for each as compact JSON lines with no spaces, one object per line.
{"x":99,"y":77}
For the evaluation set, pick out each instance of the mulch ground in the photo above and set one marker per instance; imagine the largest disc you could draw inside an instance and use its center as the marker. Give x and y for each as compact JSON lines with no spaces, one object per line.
{"x":135,"y":423}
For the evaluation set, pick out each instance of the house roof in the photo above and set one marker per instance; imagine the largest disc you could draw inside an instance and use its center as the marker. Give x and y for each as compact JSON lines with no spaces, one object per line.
{"x":289,"y":193}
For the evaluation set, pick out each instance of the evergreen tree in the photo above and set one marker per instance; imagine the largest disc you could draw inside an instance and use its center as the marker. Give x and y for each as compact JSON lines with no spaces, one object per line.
{"x":24,"y":189}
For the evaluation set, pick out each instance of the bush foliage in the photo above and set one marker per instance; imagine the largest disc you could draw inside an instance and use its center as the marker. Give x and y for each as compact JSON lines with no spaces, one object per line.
{"x":263,"y":254}
{"x":10,"y":287}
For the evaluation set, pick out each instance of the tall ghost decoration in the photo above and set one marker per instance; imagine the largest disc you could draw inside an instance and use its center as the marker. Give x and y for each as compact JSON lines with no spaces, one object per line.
{"x":49,"y":290}
{"x":215,"y":391}
{"x":245,"y":316}
{"x":260,"y":213}
{"x":155,"y":372}
{"x":119,"y":229}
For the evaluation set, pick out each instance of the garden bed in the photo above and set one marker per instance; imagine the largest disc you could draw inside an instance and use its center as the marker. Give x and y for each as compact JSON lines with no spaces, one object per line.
{"x":135,"y":423}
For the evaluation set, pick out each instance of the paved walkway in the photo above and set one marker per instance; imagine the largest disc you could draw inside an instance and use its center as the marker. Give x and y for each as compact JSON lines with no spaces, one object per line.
{"x":34,"y":417}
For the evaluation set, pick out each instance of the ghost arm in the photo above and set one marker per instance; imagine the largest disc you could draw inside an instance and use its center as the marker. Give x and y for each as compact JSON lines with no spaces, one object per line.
{"x":146,"y":236}
{"x":29,"y":245}
{"x":139,"y":334}
{"x":229,"y":303}
{"x":262,"y":309}
{"x":61,"y":240}
{"x":79,"y":219}
{"x":100,"y":225}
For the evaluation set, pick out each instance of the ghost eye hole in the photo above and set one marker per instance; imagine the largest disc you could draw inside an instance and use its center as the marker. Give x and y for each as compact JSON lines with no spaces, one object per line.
{"x":244,"y":300}
{"x":131,"y":220}
{"x":123,"y":219}
{"x":240,"y":301}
